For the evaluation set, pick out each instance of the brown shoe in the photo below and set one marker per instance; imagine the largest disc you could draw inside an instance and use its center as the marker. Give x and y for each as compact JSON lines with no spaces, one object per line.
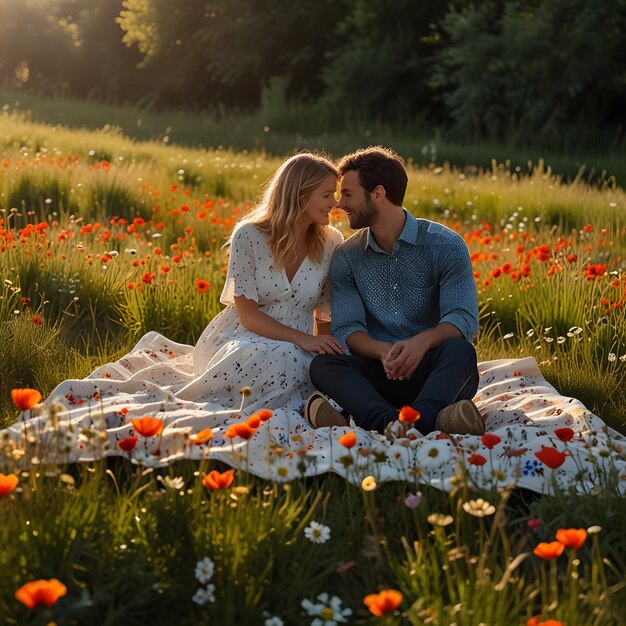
{"x":318,"y":412}
{"x":460,"y":418}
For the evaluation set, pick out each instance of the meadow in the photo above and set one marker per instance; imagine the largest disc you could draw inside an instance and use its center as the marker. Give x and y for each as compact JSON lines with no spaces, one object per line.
{"x":103,"y":238}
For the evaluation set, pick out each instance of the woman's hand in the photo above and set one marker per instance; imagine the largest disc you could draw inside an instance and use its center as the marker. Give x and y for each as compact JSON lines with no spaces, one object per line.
{"x":320,"y":344}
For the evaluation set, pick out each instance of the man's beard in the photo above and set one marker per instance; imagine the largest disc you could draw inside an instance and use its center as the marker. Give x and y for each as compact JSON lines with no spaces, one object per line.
{"x":364,"y":216}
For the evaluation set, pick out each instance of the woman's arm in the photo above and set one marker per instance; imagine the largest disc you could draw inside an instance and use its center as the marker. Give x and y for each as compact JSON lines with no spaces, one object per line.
{"x":254,"y":320}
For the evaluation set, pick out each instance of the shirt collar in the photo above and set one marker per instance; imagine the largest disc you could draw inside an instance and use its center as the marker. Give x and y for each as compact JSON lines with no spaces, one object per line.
{"x":408,"y":234}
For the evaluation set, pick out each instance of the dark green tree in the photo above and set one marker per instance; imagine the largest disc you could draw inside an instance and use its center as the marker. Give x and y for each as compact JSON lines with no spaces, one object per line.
{"x":517,"y":69}
{"x":228,"y":50}
{"x":382,"y":59}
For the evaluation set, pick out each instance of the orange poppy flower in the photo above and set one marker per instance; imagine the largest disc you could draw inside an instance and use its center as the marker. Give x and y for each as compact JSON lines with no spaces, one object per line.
{"x":202,"y":285}
{"x":8,"y":483}
{"x":25,"y":398}
{"x":549,"y":550}
{"x":254,"y":421}
{"x":534,"y":621}
{"x":384,"y":602}
{"x":551,"y":457}
{"x":490,"y":440}
{"x":240,"y":429}
{"x":408,"y":415}
{"x":203,"y":436}
{"x":127,"y":444}
{"x":477,"y":459}
{"x":263,"y":414}
{"x":41,"y":592}
{"x":148,"y":426}
{"x":214,"y":481}
{"x":348,"y":440}
{"x":571,"y":537}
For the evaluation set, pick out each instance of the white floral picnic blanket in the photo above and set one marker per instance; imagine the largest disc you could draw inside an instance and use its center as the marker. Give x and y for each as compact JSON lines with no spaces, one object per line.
{"x":536,"y":438}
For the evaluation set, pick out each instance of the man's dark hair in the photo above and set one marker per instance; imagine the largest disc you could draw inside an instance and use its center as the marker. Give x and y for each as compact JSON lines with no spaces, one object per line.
{"x":378,"y":166}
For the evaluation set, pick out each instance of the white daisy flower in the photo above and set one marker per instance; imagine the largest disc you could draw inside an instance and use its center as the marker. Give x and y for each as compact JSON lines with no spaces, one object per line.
{"x":204,"y":570}
{"x":204,"y":595}
{"x":273,"y":621}
{"x":327,"y":610}
{"x":317,"y":533}
{"x":177,"y":482}
{"x":433,"y":454}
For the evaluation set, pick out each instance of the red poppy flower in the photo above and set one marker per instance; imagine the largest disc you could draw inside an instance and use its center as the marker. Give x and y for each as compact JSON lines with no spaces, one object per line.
{"x":128,"y":444}
{"x":550,"y":457}
{"x":564,"y":434}
{"x":549,"y":550}
{"x":408,"y":415}
{"x":477,"y":459}
{"x":489,"y":440}
{"x":534,"y":621}
{"x":41,"y":592}
{"x":384,"y":602}
{"x":348,"y":440}
{"x":571,"y":537}
{"x":25,"y":398}
{"x":202,"y":285}
{"x":214,"y":481}
{"x":8,"y":483}
{"x":148,"y":426}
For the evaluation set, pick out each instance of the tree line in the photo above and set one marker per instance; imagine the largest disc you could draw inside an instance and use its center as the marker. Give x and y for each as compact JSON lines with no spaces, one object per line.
{"x":483,"y":70}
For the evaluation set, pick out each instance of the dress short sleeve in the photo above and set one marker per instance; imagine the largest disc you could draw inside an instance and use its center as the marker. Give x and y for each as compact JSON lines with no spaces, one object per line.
{"x":241,"y":275}
{"x":322,"y":308}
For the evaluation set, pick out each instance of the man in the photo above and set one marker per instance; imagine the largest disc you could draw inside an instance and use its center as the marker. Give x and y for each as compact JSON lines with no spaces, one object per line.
{"x":404,"y":302}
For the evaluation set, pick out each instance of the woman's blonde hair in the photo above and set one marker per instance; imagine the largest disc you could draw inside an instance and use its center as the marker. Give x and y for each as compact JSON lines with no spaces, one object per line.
{"x":284,"y":199}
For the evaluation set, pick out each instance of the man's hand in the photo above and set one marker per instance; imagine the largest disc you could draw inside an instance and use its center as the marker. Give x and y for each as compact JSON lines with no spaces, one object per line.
{"x":404,"y":357}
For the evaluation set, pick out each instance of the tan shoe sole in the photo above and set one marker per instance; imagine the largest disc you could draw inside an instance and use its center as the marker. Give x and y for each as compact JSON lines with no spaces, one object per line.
{"x":461,"y":418}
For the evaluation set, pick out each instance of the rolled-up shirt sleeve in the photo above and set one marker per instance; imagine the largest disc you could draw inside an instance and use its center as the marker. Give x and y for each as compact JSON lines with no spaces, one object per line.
{"x":458,"y":301}
{"x":348,"y":309}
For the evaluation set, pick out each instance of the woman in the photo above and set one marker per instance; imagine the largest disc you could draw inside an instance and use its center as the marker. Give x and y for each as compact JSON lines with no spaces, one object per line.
{"x":264,"y":338}
{"x":275,"y":288}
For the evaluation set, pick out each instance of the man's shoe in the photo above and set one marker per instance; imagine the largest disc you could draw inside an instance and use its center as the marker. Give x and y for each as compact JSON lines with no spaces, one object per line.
{"x":318,"y":412}
{"x":460,"y":418}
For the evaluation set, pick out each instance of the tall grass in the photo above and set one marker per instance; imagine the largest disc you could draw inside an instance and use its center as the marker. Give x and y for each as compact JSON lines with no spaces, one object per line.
{"x":126,"y":545}
{"x":279,"y":127}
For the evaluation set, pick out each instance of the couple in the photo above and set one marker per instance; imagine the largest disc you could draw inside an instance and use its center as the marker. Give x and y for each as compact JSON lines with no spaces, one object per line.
{"x":404,"y":305}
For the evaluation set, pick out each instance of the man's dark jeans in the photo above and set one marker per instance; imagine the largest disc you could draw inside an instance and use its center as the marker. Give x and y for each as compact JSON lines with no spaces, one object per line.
{"x":360,"y":386}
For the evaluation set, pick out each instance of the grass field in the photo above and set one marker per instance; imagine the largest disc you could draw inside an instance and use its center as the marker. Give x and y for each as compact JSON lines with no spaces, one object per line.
{"x":279,"y":127}
{"x":103,"y":237}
